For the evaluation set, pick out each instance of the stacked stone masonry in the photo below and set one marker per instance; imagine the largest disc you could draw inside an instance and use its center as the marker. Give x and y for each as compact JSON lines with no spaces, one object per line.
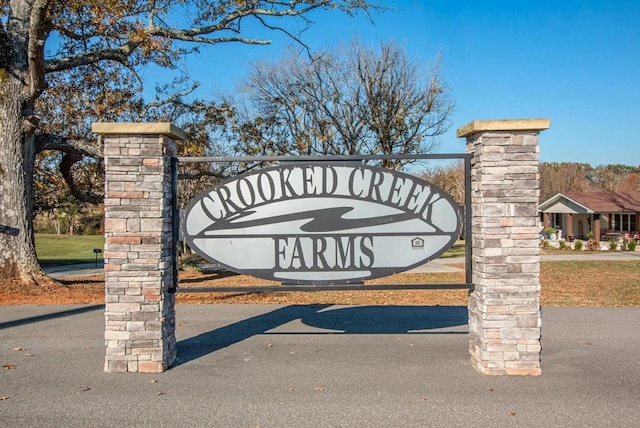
{"x":504,"y":308}
{"x":140,"y":312}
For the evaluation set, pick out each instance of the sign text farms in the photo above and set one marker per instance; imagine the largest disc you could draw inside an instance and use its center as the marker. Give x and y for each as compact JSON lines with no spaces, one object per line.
{"x":321,"y":223}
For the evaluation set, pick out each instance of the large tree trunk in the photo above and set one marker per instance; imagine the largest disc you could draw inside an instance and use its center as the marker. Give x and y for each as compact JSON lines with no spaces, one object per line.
{"x":18,"y":259}
{"x":20,"y":85}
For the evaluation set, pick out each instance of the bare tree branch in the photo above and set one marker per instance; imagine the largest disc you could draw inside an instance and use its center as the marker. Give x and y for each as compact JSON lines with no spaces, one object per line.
{"x":120,"y":55}
{"x":74,"y":152}
{"x":174,"y":98}
{"x":67,"y":145}
{"x":226,"y":22}
{"x":289,"y":34}
{"x":68,"y":160}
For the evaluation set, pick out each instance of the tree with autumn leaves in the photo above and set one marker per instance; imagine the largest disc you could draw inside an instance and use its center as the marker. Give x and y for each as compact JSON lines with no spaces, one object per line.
{"x":50,"y":47}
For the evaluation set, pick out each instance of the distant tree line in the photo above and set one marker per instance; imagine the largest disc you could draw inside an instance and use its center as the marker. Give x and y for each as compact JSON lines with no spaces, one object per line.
{"x":554,"y":178}
{"x":581,"y":177}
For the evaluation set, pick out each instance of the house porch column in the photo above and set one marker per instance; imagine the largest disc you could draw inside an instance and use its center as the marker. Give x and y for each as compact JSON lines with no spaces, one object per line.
{"x":596,"y":227}
{"x":569,"y":227}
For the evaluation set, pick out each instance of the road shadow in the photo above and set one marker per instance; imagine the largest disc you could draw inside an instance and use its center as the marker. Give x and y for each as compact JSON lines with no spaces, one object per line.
{"x":46,"y":317}
{"x":388,"y":319}
{"x":78,"y":282}
{"x":332,"y":320}
{"x":208,"y":276}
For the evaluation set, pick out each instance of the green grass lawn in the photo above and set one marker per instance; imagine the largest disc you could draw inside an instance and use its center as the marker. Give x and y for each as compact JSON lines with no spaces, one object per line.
{"x":457,"y":250}
{"x":55,"y":250}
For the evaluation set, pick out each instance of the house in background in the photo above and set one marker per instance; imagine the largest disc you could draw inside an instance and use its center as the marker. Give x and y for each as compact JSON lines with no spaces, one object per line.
{"x":606,"y":214}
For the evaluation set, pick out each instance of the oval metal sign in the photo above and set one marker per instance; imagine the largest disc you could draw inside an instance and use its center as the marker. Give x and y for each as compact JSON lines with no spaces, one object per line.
{"x":321,"y":223}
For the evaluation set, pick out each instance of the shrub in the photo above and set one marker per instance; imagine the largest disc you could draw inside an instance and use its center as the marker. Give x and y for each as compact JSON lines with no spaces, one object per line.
{"x":563,"y":245}
{"x":593,"y":245}
{"x":545,"y":244}
{"x":191,"y":264}
{"x":632,"y":245}
{"x":578,"y":245}
{"x":613,"y":245}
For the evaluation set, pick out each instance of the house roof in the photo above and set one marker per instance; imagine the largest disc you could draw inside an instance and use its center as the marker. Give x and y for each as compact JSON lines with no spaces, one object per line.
{"x":597,"y":202}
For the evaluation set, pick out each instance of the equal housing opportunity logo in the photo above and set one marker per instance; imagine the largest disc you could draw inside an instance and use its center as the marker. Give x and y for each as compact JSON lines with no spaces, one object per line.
{"x":321,"y":223}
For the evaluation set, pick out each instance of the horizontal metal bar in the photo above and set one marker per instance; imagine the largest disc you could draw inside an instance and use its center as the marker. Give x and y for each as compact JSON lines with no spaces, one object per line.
{"x":308,"y":158}
{"x":339,"y":287}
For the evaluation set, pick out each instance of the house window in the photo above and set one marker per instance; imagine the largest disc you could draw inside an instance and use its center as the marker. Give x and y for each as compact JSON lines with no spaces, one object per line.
{"x":624,"y":222}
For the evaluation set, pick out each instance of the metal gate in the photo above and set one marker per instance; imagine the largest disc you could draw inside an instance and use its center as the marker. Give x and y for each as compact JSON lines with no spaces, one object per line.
{"x":466,"y":216}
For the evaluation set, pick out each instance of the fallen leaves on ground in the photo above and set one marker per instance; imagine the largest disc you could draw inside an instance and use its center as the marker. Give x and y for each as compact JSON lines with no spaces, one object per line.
{"x":566,"y":283}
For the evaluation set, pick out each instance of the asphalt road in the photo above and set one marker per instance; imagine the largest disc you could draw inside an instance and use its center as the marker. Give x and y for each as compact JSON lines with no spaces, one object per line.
{"x":335,"y":366}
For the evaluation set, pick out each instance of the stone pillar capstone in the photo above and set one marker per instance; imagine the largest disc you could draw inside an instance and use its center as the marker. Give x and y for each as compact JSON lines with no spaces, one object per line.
{"x":139,"y":246}
{"x":504,"y":307}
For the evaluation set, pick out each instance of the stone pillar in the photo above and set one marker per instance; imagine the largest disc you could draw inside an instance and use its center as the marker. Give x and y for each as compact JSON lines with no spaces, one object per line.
{"x":138,"y":255}
{"x":504,"y":308}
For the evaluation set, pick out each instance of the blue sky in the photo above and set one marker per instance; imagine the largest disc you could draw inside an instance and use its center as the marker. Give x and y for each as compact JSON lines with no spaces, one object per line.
{"x":574,"y":62}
